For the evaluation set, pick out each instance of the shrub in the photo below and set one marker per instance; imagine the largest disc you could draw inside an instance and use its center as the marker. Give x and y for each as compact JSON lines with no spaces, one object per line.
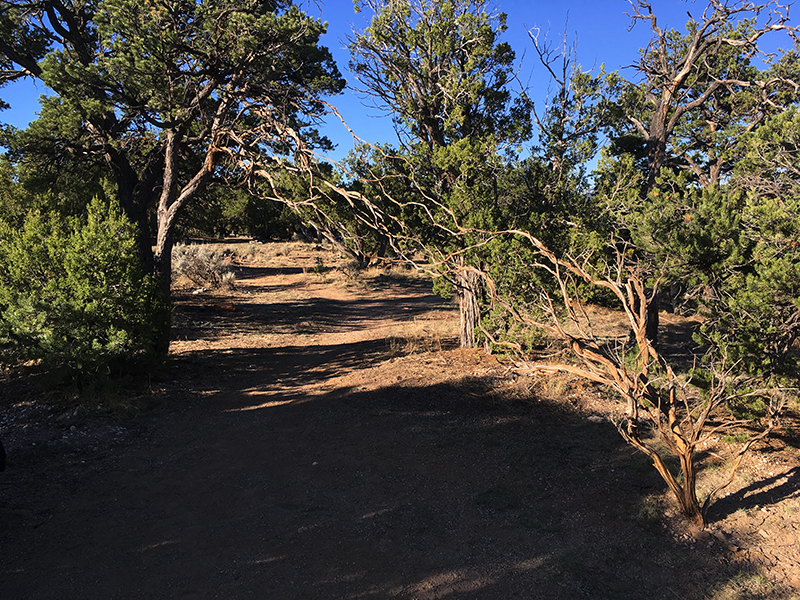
{"x":73,"y":293}
{"x":202,"y":265}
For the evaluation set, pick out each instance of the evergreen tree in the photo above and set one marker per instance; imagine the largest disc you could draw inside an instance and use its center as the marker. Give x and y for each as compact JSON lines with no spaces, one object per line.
{"x":438,"y":67}
{"x":169,"y":96}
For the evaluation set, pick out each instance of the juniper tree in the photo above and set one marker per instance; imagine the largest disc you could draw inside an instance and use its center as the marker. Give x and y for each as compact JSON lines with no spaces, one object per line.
{"x":441,"y":72}
{"x":169,"y":96}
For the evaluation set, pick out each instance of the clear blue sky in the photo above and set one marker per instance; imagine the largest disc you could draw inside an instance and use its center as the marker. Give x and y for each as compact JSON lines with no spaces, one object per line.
{"x":600,"y":28}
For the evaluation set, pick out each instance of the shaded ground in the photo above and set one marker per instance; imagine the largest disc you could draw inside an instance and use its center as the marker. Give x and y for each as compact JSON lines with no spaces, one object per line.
{"x":322,"y":439}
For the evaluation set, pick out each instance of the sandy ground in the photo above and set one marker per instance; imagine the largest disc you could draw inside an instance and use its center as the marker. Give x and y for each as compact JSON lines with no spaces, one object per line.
{"x":314,"y":436}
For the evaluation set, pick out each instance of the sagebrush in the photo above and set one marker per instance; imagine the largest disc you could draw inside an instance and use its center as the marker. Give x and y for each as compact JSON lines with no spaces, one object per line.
{"x":204,"y":266}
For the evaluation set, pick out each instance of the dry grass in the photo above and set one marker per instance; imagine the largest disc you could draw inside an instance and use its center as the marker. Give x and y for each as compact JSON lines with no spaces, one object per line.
{"x":421,"y":335}
{"x":743,"y":587}
{"x":202,"y":265}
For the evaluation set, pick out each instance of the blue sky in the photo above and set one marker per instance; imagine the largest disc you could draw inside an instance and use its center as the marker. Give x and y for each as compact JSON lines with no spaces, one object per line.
{"x":600,"y":28}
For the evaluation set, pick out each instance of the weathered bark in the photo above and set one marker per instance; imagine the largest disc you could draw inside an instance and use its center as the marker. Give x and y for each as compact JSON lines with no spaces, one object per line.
{"x":172,"y":201}
{"x":651,"y":318}
{"x":657,"y":143}
{"x":684,"y":493}
{"x":671,"y":88}
{"x":663,"y":409}
{"x":679,"y":444}
{"x":468,"y":282}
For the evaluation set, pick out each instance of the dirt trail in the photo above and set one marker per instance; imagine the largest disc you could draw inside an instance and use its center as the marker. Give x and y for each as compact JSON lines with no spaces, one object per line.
{"x":300,"y":452}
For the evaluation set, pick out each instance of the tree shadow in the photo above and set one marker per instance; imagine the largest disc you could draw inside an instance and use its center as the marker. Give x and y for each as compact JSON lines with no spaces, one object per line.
{"x":247,"y":272}
{"x":274,"y":479}
{"x":288,"y":368}
{"x":759,"y":493}
{"x":269,"y":478}
{"x":442,"y":490}
{"x":220,"y":316}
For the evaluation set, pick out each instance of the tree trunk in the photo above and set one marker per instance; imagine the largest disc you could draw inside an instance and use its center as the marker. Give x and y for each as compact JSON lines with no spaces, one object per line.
{"x":651,"y":330}
{"x":651,"y":325}
{"x":689,"y":503}
{"x":468,"y":308}
{"x":685,"y":493}
{"x":163,"y":256}
{"x":135,"y":197}
{"x":162,"y":271}
{"x":656,"y":145}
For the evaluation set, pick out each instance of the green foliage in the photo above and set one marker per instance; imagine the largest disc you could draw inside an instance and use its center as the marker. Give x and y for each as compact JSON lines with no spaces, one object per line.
{"x":738,"y":438}
{"x":695,"y":233}
{"x":445,"y":53}
{"x":549,"y":196}
{"x":509,"y":335}
{"x":165,"y":99}
{"x":13,"y":198}
{"x":756,"y":320}
{"x":54,"y":174}
{"x":438,"y":66}
{"x":731,"y":257}
{"x":223,"y":212}
{"x":73,"y":295}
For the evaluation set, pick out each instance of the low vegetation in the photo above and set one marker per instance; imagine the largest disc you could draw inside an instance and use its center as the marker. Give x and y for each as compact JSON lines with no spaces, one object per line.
{"x":73,"y":295}
{"x":203,"y":265}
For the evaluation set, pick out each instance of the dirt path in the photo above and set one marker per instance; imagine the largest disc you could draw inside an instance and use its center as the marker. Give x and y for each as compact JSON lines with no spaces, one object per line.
{"x":300,"y":452}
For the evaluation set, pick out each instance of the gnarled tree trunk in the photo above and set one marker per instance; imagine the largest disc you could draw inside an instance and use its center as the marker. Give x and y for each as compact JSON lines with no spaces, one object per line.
{"x":468,"y":282}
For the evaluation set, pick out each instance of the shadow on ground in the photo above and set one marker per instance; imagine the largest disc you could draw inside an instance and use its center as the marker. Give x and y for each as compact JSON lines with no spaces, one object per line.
{"x":210,"y":319}
{"x":759,"y":493}
{"x":401,"y":492}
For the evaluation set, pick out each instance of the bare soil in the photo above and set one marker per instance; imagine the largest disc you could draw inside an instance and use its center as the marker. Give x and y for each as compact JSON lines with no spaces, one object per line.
{"x":319,"y":436}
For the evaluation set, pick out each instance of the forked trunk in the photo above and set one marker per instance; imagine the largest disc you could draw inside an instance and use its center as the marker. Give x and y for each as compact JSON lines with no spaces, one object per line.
{"x":685,"y":493}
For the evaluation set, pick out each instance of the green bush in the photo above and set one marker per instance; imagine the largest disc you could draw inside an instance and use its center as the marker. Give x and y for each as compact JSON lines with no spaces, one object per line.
{"x":73,"y":294}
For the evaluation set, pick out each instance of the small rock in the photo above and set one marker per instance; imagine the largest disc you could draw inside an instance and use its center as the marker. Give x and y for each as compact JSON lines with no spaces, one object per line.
{"x":596,"y":419}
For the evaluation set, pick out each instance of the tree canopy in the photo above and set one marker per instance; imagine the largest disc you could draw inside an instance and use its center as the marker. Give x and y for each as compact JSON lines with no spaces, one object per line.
{"x":168,"y":97}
